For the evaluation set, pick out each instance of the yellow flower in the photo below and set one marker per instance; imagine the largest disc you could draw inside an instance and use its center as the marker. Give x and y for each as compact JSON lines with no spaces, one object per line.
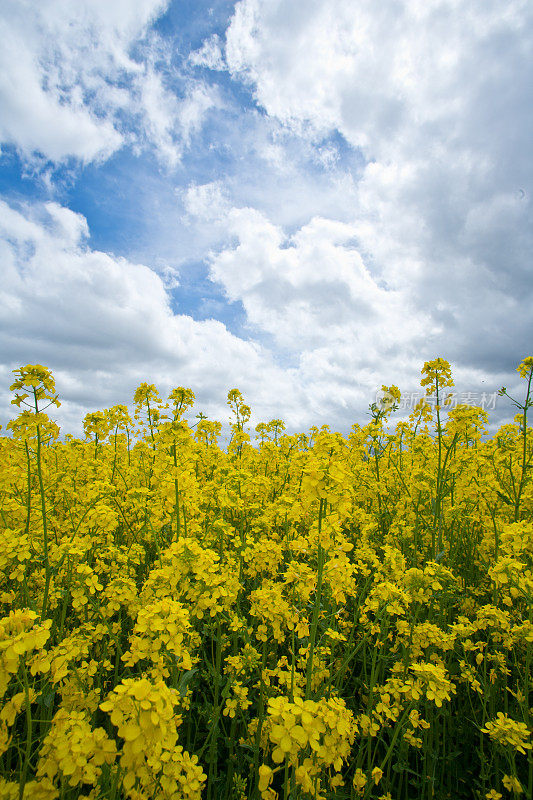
{"x":508,"y":731}
{"x":377,"y":775}
{"x":437,"y":375}
{"x":512,"y":784}
{"x":265,"y":777}
{"x":39,"y":380}
{"x":73,"y":752}
{"x":359,"y":780}
{"x":145,"y":717}
{"x":526,"y":367}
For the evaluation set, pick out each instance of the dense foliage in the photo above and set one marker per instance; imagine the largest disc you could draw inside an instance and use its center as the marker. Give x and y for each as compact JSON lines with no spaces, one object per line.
{"x":307,"y":616}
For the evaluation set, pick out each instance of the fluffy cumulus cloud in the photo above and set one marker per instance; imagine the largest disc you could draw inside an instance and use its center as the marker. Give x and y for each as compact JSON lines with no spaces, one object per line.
{"x":436,"y":98}
{"x":311,"y":299}
{"x":310,"y":288}
{"x":80,"y":80}
{"x":103,"y":324}
{"x":317,"y":301}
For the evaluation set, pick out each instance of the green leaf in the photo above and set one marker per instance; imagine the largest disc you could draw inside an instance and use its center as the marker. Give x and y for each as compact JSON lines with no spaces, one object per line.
{"x":185,"y":680}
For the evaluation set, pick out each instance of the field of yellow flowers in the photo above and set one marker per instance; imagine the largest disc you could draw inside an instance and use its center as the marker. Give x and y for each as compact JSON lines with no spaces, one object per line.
{"x":301,"y":616}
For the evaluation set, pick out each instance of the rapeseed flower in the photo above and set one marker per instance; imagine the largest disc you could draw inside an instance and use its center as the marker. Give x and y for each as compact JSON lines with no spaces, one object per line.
{"x":507,"y":731}
{"x":180,"y":615}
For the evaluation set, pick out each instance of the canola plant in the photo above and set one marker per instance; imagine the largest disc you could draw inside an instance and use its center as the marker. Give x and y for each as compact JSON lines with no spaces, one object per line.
{"x":302,"y":616}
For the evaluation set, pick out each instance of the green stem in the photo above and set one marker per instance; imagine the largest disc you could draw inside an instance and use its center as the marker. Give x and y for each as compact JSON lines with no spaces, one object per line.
{"x":316,"y":608}
{"x":524,"y":451}
{"x":43,"y":513}
{"x":28,"y":500}
{"x":437,"y":538}
{"x":213,"y":748}
{"x":260,"y":717}
{"x":29,"y":731}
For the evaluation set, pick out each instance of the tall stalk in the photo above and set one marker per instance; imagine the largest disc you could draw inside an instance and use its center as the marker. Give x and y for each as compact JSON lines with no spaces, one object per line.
{"x":43,"y":514}
{"x":437,"y":517}
{"x":29,"y":734}
{"x":525,"y":459}
{"x":317,"y":605}
{"x":213,"y":747}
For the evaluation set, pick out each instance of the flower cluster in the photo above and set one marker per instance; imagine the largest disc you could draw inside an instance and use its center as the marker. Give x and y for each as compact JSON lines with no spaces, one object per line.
{"x":507,"y":731}
{"x":19,"y":635}
{"x":310,"y":736}
{"x":162,"y":634}
{"x":73,"y":753}
{"x":144,"y":714}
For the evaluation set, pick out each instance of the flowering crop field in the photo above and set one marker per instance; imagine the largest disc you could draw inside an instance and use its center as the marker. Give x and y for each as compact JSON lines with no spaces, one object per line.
{"x":301,"y":616}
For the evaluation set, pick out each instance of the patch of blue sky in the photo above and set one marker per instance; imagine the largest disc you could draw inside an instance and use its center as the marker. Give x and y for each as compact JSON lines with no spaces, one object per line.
{"x":121,"y":199}
{"x":17,"y":180}
{"x":189,"y":22}
{"x":259,"y":162}
{"x":345,"y":156}
{"x":204,"y":299}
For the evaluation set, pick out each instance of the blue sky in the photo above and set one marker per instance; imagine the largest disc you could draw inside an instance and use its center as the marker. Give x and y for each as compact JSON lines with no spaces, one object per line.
{"x":301,"y":198}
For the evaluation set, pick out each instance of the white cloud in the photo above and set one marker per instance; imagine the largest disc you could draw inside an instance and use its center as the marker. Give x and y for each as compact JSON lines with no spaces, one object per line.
{"x":170,"y":122}
{"x":373,"y":71}
{"x":209,"y":55}
{"x":317,"y":302}
{"x":199,"y":100}
{"x":35,"y":119}
{"x":70,"y":87}
{"x":315,"y":299}
{"x":325,"y":338}
{"x":207,"y":201}
{"x":104,"y":324}
{"x":436,"y":97}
